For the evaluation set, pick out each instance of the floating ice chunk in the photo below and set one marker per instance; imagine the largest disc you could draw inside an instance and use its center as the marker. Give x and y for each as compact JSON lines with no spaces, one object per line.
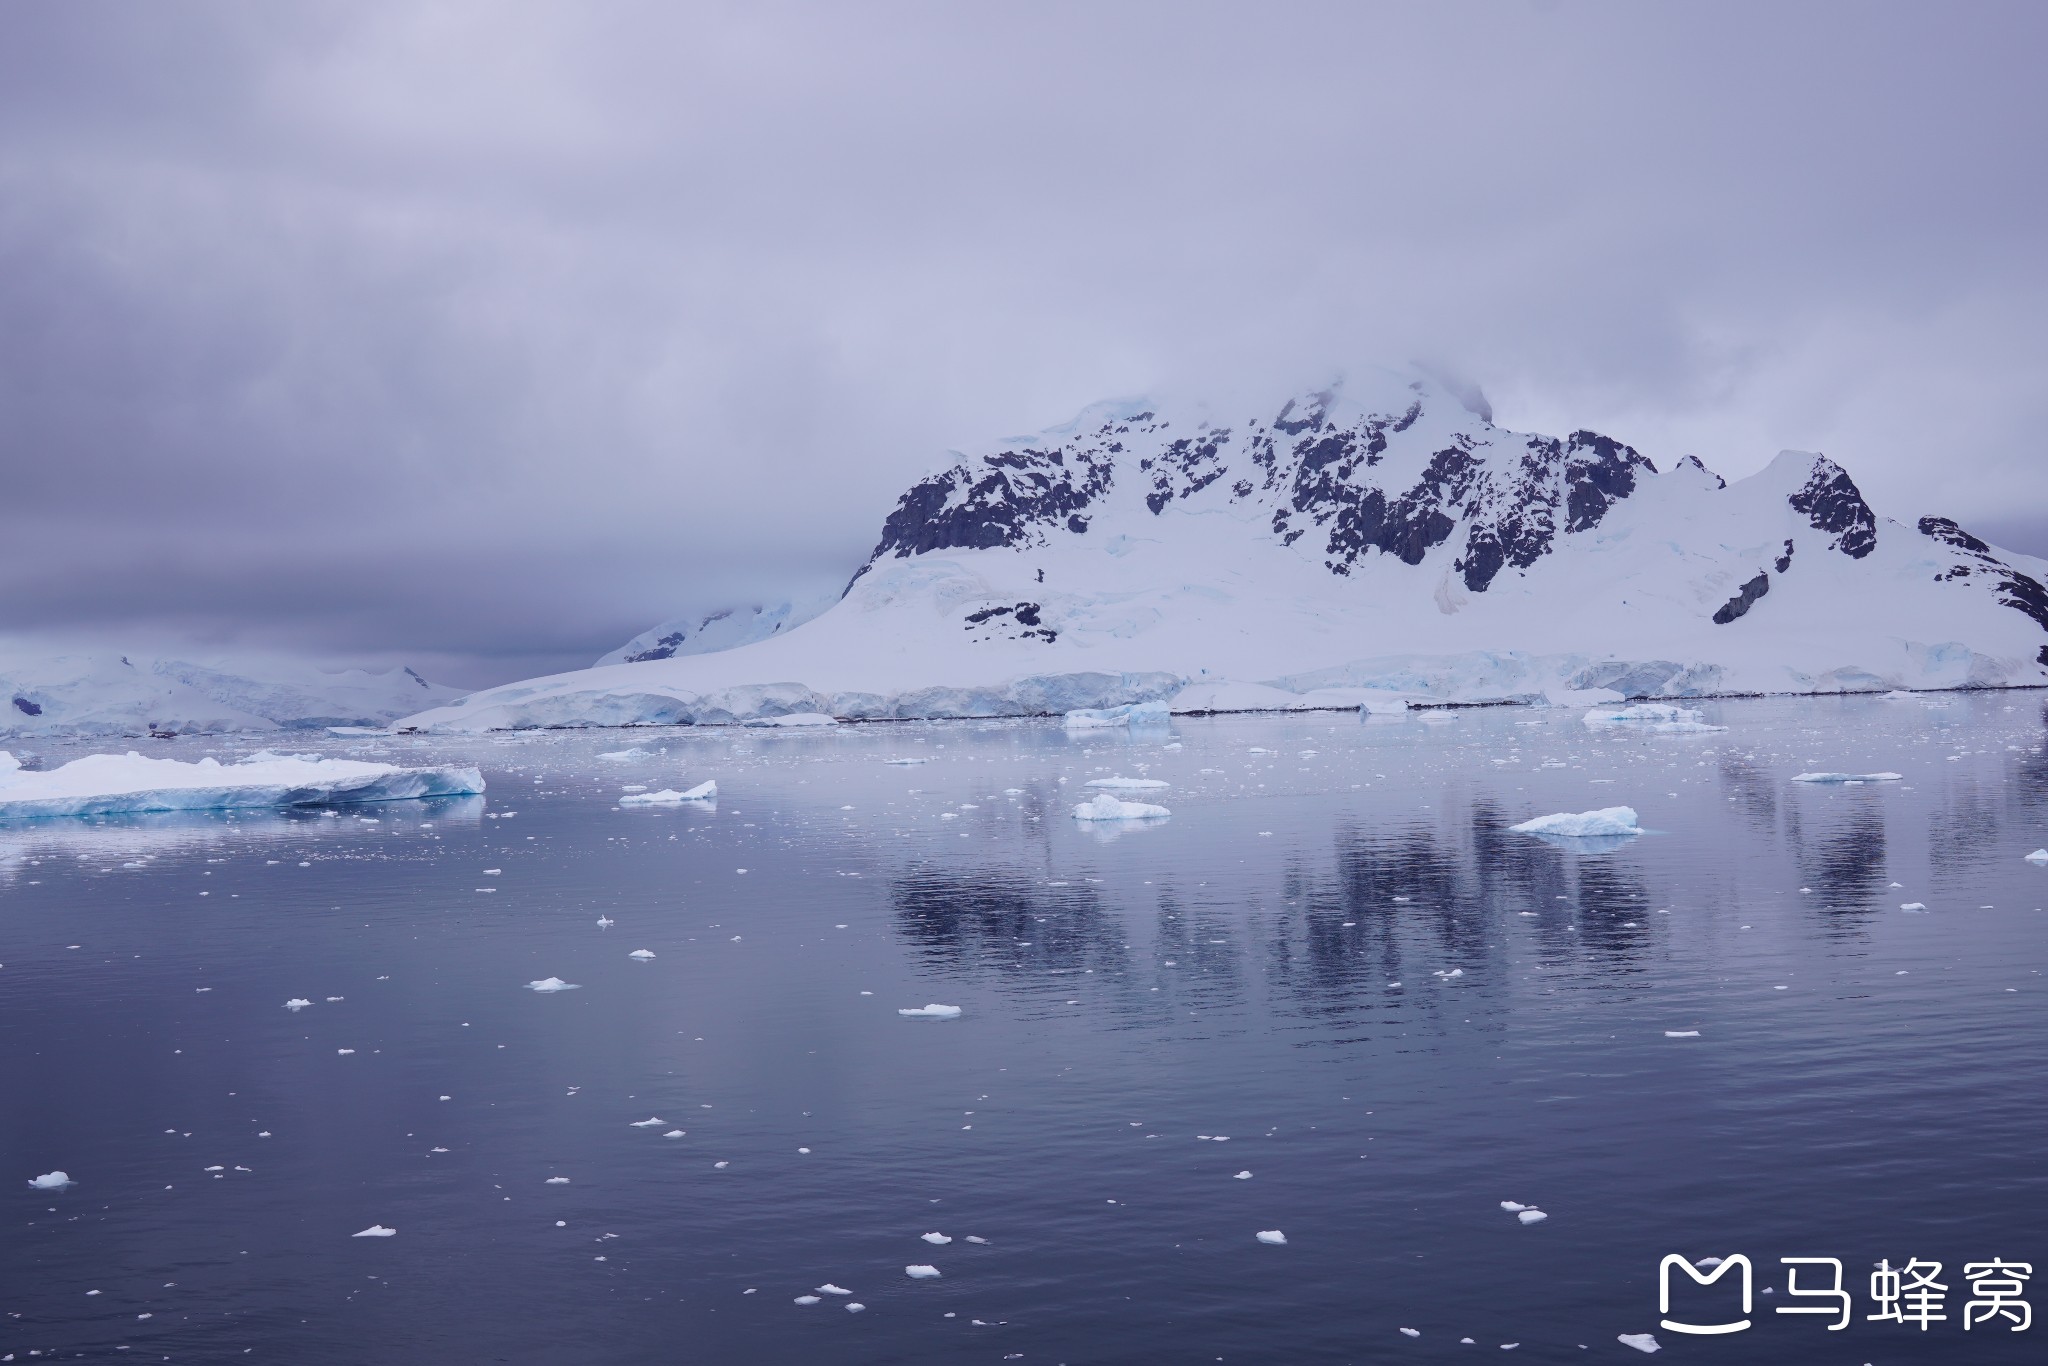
{"x":1642,"y":1342}
{"x":558,"y":1181}
{"x":1271,"y":1235}
{"x":921,"y":1272}
{"x":1912,"y":905}
{"x":1512,"y":1208}
{"x":1609,"y":820}
{"x":905,"y":763}
{"x":375,"y":1231}
{"x":1658,"y":717}
{"x":641,"y":953}
{"x":2038,"y":856}
{"x":807,"y":1299}
{"x":296,"y":1004}
{"x":605,"y":922}
{"x":1130,"y":714}
{"x":1129,"y":784}
{"x":668,"y":796}
{"x":972,"y":1239}
{"x":1411,"y":1332}
{"x":547,"y":984}
{"x":931,"y":1012}
{"x":51,"y":1181}
{"x":648,"y":1123}
{"x":634,"y":753}
{"x":938,"y":1239}
{"x":675,"y":1133}
{"x":855,"y":1308}
{"x":1847,"y":777}
{"x":1708,"y":1261}
{"x":1108,"y":808}
{"x":830,"y":1289}
{"x":1242,"y":1176}
{"x":1681,"y":1033}
{"x":1531,"y":1216}
{"x":102,"y":784}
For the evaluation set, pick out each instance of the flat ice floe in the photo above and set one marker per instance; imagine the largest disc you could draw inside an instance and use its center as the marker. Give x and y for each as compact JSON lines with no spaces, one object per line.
{"x":1608,"y":820}
{"x":1129,"y":784}
{"x":375,"y":1231}
{"x":2038,"y":856}
{"x":931,"y":1012}
{"x":1642,"y":1342}
{"x":107,"y":784}
{"x":1108,"y":808}
{"x":921,"y":1272}
{"x":1660,"y":718}
{"x":1130,"y":714}
{"x":1271,"y":1235}
{"x":548,"y":984}
{"x":703,"y":792}
{"x":1847,"y":777}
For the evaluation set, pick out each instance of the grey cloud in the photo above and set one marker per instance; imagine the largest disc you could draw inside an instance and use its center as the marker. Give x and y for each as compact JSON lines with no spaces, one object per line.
{"x":487,"y":335}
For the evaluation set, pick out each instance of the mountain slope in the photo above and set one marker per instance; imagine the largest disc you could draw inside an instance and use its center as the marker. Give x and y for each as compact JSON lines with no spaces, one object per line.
{"x":1380,"y":535}
{"x":703,"y":630}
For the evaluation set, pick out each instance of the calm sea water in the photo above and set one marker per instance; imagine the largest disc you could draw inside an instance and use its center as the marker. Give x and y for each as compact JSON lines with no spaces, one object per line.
{"x":1332,"y":996}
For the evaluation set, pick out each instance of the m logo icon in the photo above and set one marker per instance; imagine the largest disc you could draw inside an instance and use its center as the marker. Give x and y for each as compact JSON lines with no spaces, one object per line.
{"x":1664,"y":1293}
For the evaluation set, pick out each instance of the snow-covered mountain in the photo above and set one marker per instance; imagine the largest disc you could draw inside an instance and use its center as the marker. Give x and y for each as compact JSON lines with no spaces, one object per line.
{"x":52,"y":692}
{"x":1381,"y":536}
{"x":702,"y":630}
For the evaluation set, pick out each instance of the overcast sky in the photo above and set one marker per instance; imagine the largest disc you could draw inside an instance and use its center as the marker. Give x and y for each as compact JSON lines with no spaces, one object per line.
{"x":483,"y":335}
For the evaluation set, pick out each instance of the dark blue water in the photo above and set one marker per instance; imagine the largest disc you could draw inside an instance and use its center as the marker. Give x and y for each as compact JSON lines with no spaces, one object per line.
{"x":1866,"y":1082}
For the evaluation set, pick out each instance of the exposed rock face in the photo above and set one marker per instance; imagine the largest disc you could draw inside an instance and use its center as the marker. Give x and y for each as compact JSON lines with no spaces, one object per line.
{"x":1833,"y":504}
{"x":2021,"y":592}
{"x":1312,"y":471}
{"x":1744,"y":600}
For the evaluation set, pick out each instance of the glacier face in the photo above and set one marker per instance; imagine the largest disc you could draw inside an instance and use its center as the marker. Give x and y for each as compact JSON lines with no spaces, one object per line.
{"x":46,"y":692}
{"x":1376,"y":540}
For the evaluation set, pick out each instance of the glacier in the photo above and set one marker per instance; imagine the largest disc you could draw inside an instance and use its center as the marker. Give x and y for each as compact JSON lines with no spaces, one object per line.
{"x":1372,"y":545}
{"x":110,"y":784}
{"x":48,"y":691}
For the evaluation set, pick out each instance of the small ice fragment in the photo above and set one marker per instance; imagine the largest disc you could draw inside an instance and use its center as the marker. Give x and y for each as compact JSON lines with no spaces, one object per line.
{"x":296,"y":1004}
{"x":1512,"y":1208}
{"x":972,"y":1239}
{"x":1108,"y":808}
{"x":1912,"y":905}
{"x":1708,"y":1261}
{"x":920,"y":1272}
{"x":1242,"y":1176}
{"x":1847,"y":777}
{"x":855,"y":1307}
{"x":1532,"y":1216}
{"x":51,"y":1181}
{"x":674,"y":1133}
{"x":806,"y":1299}
{"x":931,"y":1012}
{"x":1681,"y":1033}
{"x":1411,"y":1332}
{"x":1271,"y":1235}
{"x":641,"y":953}
{"x":1129,"y":784}
{"x":493,"y":872}
{"x":605,"y":922}
{"x":344,"y":1052}
{"x":2038,"y":856}
{"x":647,"y":1123}
{"x":547,"y":984}
{"x":1642,"y":1342}
{"x":830,"y":1289}
{"x":558,"y":1181}
{"x":374,"y":1231}
{"x":935,"y":1238}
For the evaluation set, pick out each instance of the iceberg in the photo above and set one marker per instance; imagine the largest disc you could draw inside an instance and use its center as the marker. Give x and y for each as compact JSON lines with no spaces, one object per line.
{"x":106,"y":784}
{"x":1108,"y":808}
{"x":1129,"y":784}
{"x":1659,"y":718}
{"x":1130,"y":714}
{"x":668,"y":796}
{"x":51,"y":1181}
{"x":1846,"y":777}
{"x":1609,"y":820}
